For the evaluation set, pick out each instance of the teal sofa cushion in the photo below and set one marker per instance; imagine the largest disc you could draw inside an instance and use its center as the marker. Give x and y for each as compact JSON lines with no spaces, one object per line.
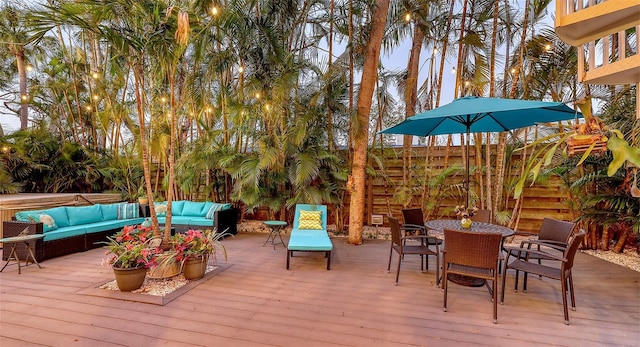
{"x":176,"y":207}
{"x":193,"y":209}
{"x":64,"y":232}
{"x":104,"y":226}
{"x":110,"y":211}
{"x":183,"y":220}
{"x":84,"y":215}
{"x":201,"y":221}
{"x":309,"y":240}
{"x":59,"y":214}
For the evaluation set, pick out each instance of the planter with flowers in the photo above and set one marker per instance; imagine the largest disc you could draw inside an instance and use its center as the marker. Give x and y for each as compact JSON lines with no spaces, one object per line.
{"x":465,"y":215}
{"x":193,"y":249}
{"x":130,"y":254}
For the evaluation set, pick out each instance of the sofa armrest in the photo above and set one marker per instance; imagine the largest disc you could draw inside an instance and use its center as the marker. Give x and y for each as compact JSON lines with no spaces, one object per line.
{"x":13,"y":228}
{"x":226,"y":221}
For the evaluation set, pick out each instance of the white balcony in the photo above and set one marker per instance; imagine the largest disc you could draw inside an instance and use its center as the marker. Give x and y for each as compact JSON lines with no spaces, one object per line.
{"x":581,"y":21}
{"x":606,"y":35}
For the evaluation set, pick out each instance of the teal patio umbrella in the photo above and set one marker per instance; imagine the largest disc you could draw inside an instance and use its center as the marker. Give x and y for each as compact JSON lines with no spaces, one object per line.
{"x":474,"y":114}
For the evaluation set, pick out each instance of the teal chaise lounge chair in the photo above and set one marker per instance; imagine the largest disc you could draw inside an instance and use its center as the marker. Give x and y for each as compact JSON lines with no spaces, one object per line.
{"x":309,"y":233}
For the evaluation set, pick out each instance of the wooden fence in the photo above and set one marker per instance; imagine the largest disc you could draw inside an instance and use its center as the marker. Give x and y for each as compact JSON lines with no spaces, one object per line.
{"x":548,"y":199}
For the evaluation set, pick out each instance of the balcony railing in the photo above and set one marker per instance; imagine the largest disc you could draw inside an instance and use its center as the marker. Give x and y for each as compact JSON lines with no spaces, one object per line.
{"x":606,"y":35}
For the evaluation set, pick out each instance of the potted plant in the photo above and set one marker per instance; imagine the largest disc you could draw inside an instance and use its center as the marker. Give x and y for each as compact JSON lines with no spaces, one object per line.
{"x":465,"y":215}
{"x":193,"y":248}
{"x":142,"y":196}
{"x":130,"y":254}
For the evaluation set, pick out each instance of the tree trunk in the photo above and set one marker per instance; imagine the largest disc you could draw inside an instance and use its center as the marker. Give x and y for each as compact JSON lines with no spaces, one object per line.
{"x":361,"y":128}
{"x":410,"y":99}
{"x":24,"y":97}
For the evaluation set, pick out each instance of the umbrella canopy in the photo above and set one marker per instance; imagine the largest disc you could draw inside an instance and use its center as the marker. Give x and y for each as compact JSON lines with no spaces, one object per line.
{"x":474,"y":114}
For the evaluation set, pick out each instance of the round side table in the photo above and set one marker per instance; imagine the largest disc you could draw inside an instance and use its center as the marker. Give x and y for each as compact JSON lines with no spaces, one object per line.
{"x":276,"y":226}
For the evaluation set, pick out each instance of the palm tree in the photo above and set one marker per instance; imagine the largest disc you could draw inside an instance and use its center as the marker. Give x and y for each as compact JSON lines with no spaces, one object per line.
{"x":14,"y":34}
{"x":356,"y":183}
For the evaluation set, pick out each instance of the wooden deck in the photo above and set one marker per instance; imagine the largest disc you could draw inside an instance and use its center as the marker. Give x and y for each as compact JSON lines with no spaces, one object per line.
{"x":256,"y":302}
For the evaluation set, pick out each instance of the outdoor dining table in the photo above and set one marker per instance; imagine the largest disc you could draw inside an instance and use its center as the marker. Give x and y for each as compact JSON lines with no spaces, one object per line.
{"x":436,"y":228}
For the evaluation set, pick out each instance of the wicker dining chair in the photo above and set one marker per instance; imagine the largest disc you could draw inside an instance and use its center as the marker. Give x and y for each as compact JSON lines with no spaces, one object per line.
{"x":552,"y":232}
{"x":399,"y":245}
{"x":474,"y":255}
{"x":521,"y":262}
{"x":483,"y":216}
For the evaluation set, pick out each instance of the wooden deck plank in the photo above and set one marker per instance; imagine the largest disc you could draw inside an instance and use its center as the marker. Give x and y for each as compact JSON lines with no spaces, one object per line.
{"x":257,"y":302}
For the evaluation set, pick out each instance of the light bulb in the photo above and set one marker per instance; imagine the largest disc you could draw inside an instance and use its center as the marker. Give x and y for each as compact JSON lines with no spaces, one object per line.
{"x":407,"y":17}
{"x":95,"y":75}
{"x":241,"y":69}
{"x":214,"y":10}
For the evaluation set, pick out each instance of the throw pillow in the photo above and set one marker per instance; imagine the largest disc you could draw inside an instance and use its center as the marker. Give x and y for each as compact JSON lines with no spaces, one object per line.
{"x":161,"y":208}
{"x":48,"y":223}
{"x":128,"y":210}
{"x":211,"y":214}
{"x":310,"y":220}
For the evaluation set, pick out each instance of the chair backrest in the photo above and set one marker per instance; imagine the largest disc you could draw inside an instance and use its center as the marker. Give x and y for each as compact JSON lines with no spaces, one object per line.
{"x":483,"y":216}
{"x":555,"y":230}
{"x":413,"y":216}
{"x":306,"y":207}
{"x":572,"y":248}
{"x":396,"y":238}
{"x":473,"y":249}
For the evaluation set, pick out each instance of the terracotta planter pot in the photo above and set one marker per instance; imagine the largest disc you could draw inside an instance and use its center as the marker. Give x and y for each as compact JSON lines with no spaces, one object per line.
{"x":129,"y":279}
{"x":164,"y":271}
{"x":195,"y":268}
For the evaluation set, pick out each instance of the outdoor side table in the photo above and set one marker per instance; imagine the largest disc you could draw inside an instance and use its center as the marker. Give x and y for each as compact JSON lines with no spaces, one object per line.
{"x":14,"y":241}
{"x":276,"y":226}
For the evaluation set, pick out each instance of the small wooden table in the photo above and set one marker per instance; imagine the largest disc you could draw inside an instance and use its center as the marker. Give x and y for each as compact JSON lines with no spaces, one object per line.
{"x":13,"y":255}
{"x":276,"y":226}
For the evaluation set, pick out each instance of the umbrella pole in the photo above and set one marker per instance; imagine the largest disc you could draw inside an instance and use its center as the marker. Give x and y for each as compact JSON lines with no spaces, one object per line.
{"x":466,"y":182}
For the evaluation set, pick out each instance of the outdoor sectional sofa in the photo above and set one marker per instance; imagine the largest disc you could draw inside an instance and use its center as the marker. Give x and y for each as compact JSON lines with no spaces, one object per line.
{"x":70,"y":229}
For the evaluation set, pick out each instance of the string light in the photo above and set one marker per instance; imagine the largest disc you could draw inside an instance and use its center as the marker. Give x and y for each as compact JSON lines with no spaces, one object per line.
{"x":407,"y":17}
{"x":96,"y":97}
{"x":88,"y":107}
{"x":467,"y":83}
{"x":267,"y":107}
{"x":258,"y":95}
{"x":453,"y":70}
{"x":241,"y":69}
{"x":95,"y":75}
{"x":435,"y":51}
{"x":163,"y":99}
{"x":29,"y":68}
{"x":547,"y":47}
{"x":214,"y":10}
{"x":513,"y":70}
{"x":24,"y":97}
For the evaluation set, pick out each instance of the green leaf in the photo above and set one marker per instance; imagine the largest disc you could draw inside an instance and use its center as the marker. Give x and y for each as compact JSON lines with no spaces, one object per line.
{"x":621,"y":152}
